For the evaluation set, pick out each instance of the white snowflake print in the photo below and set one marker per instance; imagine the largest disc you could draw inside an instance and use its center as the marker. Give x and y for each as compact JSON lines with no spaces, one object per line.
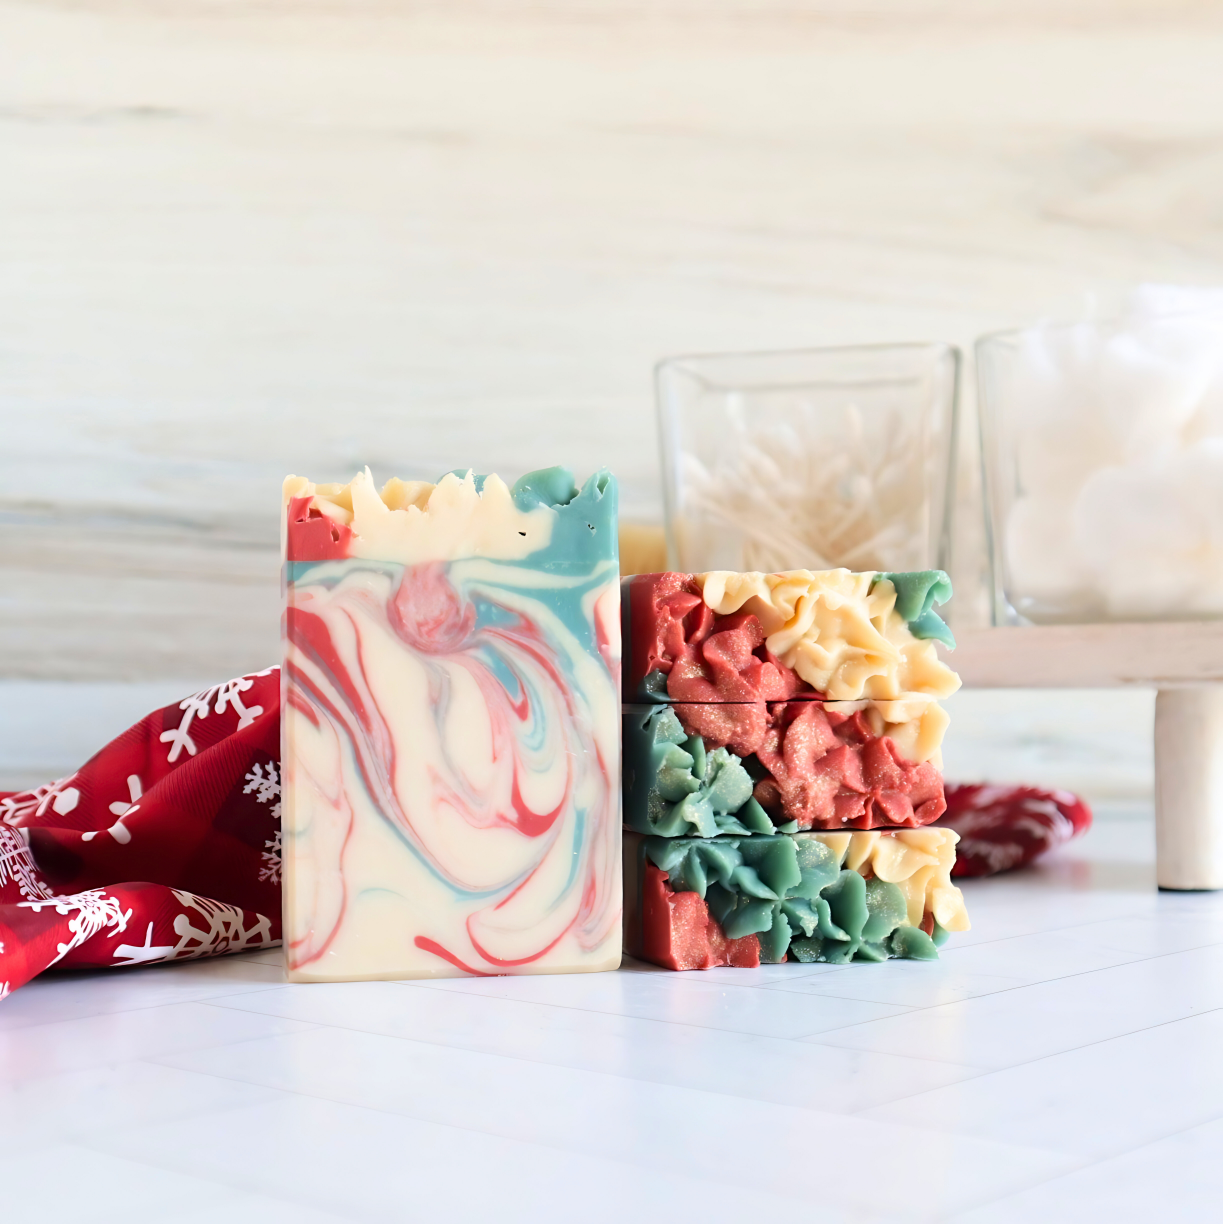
{"x":225,"y":933}
{"x":4,"y":990}
{"x":17,"y":864}
{"x":145,"y":953}
{"x":214,"y":700}
{"x":266,"y":787}
{"x":58,"y":796}
{"x":94,"y":912}
{"x":135,"y":792}
{"x":272,"y":860}
{"x":119,"y":831}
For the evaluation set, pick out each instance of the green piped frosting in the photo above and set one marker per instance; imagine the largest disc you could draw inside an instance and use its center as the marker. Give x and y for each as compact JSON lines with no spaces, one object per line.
{"x":552,"y":486}
{"x":916,"y":595}
{"x":674,"y":788}
{"x":793,"y":894}
{"x":586,"y":517}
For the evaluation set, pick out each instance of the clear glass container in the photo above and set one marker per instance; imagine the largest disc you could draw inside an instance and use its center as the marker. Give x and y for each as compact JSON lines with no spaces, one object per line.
{"x":1102,"y":449}
{"x":811,"y":459}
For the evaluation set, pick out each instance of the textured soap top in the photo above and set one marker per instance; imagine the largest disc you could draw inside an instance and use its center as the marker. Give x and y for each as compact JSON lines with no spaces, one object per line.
{"x":835,"y":634}
{"x":544,"y":517}
{"x":918,"y":861}
{"x":692,"y":903}
{"x":722,"y":768}
{"x":840,"y":631}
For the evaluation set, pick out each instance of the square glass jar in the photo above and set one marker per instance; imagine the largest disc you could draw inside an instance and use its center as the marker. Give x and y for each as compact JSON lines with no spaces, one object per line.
{"x":811,"y":459}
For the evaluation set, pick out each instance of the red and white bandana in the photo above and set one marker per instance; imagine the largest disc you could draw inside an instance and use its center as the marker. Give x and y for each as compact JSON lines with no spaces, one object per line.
{"x":164,"y":846}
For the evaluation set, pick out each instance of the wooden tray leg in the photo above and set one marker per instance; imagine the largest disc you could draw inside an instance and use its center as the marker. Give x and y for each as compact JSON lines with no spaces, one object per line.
{"x":1189,"y":788}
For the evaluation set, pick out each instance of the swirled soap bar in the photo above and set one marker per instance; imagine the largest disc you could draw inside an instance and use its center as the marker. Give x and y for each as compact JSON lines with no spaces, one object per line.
{"x":451,"y":727}
{"x":694,"y":903}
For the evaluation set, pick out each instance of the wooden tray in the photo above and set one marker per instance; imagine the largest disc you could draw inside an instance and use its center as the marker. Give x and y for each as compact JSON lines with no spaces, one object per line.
{"x":1158,"y":654}
{"x":1184,"y":661}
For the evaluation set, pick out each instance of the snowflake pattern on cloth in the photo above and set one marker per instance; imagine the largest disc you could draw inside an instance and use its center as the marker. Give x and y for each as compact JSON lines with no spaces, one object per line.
{"x":164,"y":846}
{"x":1003,"y":828}
{"x":272,"y":860}
{"x":61,"y":797}
{"x":266,"y":786}
{"x":87,"y":912}
{"x":217,"y":700}
{"x":227,"y":929}
{"x":18,"y":874}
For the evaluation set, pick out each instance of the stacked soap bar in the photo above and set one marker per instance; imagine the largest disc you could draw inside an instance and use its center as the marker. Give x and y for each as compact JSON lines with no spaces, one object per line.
{"x":451,"y":727}
{"x":821,"y":689}
{"x":759,"y":709}
{"x":693,"y":903}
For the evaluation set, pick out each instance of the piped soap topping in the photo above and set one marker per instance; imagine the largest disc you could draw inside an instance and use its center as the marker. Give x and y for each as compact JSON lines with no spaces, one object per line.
{"x":840,"y":631}
{"x":463,"y":515}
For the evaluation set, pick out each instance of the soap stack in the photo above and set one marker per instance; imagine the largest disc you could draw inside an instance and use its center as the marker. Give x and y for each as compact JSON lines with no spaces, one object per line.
{"x":782,"y":767}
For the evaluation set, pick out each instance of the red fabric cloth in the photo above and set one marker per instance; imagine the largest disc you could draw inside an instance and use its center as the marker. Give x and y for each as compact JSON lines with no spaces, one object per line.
{"x":1005,"y":827}
{"x":163,"y":846}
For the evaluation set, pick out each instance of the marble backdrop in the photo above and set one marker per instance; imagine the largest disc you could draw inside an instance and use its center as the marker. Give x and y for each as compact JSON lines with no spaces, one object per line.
{"x":243,"y":239}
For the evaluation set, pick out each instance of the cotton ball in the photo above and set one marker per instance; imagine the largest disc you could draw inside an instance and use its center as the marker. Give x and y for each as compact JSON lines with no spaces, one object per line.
{"x":1043,"y":561}
{"x":1184,"y":325}
{"x":1153,"y":534}
{"x":1063,"y":430}
{"x":1146,"y":395}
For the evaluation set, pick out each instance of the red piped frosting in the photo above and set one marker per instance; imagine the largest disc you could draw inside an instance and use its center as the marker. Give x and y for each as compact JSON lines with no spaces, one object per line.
{"x":678,"y":932}
{"x":705,"y":657}
{"x":312,"y":536}
{"x":826,"y":769}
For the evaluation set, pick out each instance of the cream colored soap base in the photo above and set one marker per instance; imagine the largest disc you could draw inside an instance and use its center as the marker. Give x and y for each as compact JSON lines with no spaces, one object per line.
{"x":450,"y":736}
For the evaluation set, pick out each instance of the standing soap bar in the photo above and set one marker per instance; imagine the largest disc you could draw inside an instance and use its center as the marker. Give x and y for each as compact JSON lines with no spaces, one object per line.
{"x":451,"y":758}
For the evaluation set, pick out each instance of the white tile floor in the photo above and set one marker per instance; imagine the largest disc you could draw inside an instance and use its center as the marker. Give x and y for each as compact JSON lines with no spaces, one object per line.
{"x":1059,"y":1063}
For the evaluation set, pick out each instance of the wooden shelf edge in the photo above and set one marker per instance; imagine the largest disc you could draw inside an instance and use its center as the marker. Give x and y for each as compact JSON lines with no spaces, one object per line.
{"x":1165,"y":654}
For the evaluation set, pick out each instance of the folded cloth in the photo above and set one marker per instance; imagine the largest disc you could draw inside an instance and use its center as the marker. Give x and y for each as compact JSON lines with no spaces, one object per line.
{"x":166,"y":845}
{"x":1005,"y":827}
{"x":163,"y":846}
